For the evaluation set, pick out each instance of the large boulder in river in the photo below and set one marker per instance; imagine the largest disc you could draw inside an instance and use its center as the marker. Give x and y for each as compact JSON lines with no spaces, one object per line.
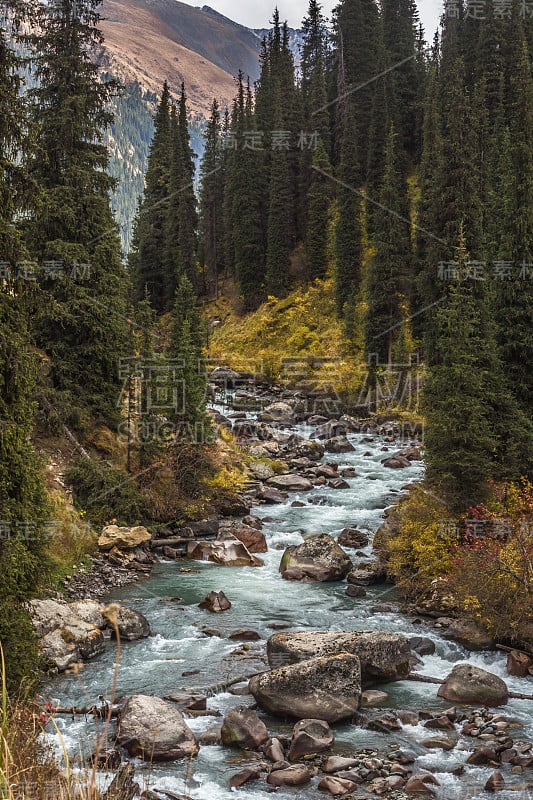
{"x":131,"y":625}
{"x":338,"y":444}
{"x":123,"y":538}
{"x":216,"y":602}
{"x":278,"y":412}
{"x":225,"y":554}
{"x":290,"y":483}
{"x":152,"y":729}
{"x":321,"y":688}
{"x":318,"y":558}
{"x":243,"y":728}
{"x":474,"y":686}
{"x":253,"y":539}
{"x":383,"y":655}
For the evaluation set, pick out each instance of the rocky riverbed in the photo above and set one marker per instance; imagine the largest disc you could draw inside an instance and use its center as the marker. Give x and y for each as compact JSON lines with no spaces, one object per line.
{"x":294,"y":592}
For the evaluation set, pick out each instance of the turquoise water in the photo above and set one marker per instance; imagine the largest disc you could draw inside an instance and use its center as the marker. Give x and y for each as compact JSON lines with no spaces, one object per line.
{"x":260,"y":598}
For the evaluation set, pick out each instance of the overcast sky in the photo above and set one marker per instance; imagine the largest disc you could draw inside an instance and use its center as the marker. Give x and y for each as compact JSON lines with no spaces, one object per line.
{"x":257,"y":13}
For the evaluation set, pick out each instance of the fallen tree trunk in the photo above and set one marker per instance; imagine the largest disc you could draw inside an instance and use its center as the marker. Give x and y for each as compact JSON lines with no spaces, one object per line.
{"x":100,"y":712}
{"x":219,"y":687}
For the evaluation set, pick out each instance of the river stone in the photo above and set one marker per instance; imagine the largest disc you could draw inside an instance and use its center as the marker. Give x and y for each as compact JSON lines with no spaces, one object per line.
{"x":383,"y":655}
{"x":319,"y":558}
{"x":495,"y":783}
{"x":475,"y":686}
{"x":131,"y":624}
{"x":338,"y":444}
{"x":355,"y":591}
{"x":443,"y":742}
{"x":470,"y":634}
{"x":123,"y":538}
{"x":89,"y":611}
{"x":225,"y":554}
{"x":351,"y":537}
{"x":57,"y":651}
{"x":48,"y":615}
{"x":373,"y":697}
{"x":310,"y":736}
{"x":215,"y":602}
{"x":277,"y":412}
{"x":243,"y":728}
{"x":326,"y":688}
{"x":295,"y":775}
{"x":240,"y":778}
{"x":518,"y":663}
{"x":274,"y":750}
{"x":396,"y":462}
{"x":290,"y":483}
{"x":253,"y":539}
{"x":272,"y":496}
{"x":422,"y":645}
{"x":336,"y":786}
{"x":261,"y":471}
{"x":339,"y":763}
{"x":421,"y":784}
{"x":152,"y":729}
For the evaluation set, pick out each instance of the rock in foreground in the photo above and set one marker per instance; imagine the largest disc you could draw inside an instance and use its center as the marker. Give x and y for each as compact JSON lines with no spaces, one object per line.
{"x":151,"y":729}
{"x":321,"y":688}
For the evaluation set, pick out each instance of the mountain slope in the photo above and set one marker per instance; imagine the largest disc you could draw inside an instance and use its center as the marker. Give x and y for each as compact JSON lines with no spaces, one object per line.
{"x":148,"y":41}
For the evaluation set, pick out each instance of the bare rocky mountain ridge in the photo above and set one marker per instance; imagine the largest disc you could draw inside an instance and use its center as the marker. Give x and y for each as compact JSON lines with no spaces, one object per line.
{"x":149,"y":41}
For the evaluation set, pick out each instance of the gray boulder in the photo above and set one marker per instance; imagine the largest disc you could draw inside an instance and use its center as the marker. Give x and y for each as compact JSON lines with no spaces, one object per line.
{"x":319,"y":558}
{"x":290,"y":483}
{"x":131,"y":624}
{"x":383,"y":655}
{"x":243,"y":728}
{"x":309,"y":737}
{"x":475,"y":686}
{"x":151,"y":729}
{"x":326,"y":688}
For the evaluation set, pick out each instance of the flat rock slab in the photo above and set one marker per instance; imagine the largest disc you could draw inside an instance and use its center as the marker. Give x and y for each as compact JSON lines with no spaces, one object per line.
{"x":290,"y":483}
{"x":383,"y":655}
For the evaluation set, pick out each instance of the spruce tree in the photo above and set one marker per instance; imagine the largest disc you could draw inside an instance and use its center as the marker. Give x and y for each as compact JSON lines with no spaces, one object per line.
{"x":246,"y":208}
{"x":348,"y":241}
{"x":147,"y":259}
{"x":23,"y":502}
{"x":279,"y":225}
{"x":186,"y":346}
{"x":460,"y":439}
{"x":211,"y":203}
{"x":390,"y":277}
{"x":320,"y":196}
{"x":81,"y":322}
